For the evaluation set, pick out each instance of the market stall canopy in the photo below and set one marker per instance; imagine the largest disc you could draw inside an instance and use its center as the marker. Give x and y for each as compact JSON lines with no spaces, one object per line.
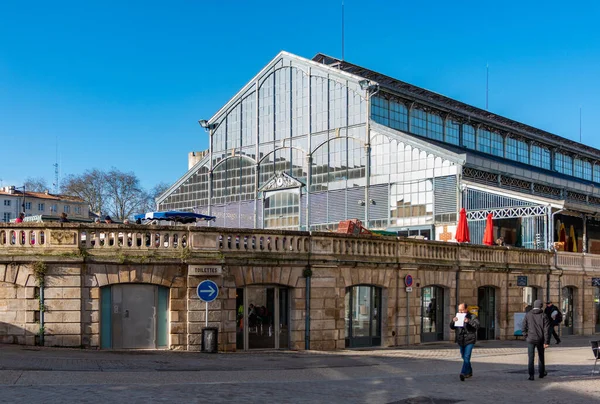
{"x":174,"y":216}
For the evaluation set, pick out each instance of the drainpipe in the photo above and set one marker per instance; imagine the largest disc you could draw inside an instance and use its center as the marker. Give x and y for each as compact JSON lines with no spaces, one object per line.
{"x":307,"y":277}
{"x":559,"y":288}
{"x":42,"y":314}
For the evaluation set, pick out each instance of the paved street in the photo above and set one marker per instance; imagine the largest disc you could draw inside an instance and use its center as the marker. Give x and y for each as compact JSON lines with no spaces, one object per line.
{"x":425,"y":374}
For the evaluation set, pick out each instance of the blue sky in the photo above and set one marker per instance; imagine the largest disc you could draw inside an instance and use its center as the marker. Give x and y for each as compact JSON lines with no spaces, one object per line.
{"x":124,"y":85}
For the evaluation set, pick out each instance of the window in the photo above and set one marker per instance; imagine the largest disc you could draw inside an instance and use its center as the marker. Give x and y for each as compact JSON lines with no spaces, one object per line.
{"x":27,"y":205}
{"x":511,"y":148}
{"x":522,"y":151}
{"x":540,"y":157}
{"x":398,"y":116}
{"x":597,"y":172}
{"x":484,"y":141}
{"x":583,"y":169}
{"x":54,"y":208}
{"x":587,"y":170}
{"x":452,"y":132}
{"x":563,"y":163}
{"x":418,"y":123}
{"x":67,"y":209}
{"x":6,"y":217}
{"x":7,"y":202}
{"x":469,"y":137}
{"x":77,"y":210}
{"x":41,"y":207}
{"x":435,"y":127}
{"x":497,"y":144}
{"x":380,"y":109}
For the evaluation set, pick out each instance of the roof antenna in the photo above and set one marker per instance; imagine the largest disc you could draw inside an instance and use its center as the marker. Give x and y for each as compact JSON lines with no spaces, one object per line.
{"x":56,"y":170}
{"x":342,"y":30}
{"x":487,"y":83}
{"x":580,"y":124}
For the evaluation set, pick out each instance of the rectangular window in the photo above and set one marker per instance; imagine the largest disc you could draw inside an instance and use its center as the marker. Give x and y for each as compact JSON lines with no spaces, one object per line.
{"x":578,"y":168}
{"x":41,"y":207}
{"x":540,"y":157}
{"x":67,"y":209}
{"x":27,"y":205}
{"x":522,"y":151}
{"x":587,"y":170}
{"x":484,"y":141}
{"x":54,"y":208}
{"x":511,"y":148}
{"x":7,"y":202}
{"x":380,"y":110}
{"x":596,"y":173}
{"x":77,"y":210}
{"x":6,"y":217}
{"x":497,"y":144}
{"x":469,"y":137}
{"x":418,"y":122}
{"x":564,"y":163}
{"x":398,"y":116}
{"x":452,"y":132}
{"x":435,"y":127}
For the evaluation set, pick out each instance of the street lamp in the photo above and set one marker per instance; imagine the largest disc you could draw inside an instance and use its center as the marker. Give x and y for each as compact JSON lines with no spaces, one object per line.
{"x":370,"y":89}
{"x":209,"y":127}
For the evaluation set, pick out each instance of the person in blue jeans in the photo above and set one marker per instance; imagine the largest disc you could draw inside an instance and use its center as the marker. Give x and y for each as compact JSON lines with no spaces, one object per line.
{"x":466,"y":336}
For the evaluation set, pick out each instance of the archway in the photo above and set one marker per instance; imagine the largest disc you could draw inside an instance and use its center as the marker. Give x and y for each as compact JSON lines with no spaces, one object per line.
{"x":134,"y":316}
{"x":363,"y":316}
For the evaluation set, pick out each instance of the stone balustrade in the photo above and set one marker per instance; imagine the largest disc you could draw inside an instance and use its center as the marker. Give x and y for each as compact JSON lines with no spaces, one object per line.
{"x":32,"y":237}
{"x":106,"y":238}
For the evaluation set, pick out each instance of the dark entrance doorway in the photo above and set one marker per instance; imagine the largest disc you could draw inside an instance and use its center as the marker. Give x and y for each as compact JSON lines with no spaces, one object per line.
{"x":263,"y":317}
{"x":432,"y":314}
{"x":567,"y":307}
{"x":486,"y":300}
{"x":363,"y":313}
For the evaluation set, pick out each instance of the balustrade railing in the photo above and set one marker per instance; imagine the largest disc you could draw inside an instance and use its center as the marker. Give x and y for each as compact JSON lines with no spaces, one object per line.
{"x":102,"y":237}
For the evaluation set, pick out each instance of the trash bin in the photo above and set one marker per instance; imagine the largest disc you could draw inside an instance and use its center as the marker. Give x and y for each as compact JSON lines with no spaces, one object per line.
{"x":210,"y":339}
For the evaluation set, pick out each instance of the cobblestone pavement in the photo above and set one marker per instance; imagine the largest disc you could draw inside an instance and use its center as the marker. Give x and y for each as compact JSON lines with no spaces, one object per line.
{"x":424,"y":374}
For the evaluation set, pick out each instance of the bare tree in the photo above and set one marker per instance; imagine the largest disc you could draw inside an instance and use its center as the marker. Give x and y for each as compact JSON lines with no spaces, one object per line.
{"x":91,"y":186}
{"x":38,"y":184}
{"x":125,"y":193}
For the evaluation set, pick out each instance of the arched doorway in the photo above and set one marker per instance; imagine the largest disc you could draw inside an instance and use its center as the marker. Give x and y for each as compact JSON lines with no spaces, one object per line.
{"x":265,"y":324}
{"x":134,"y":316}
{"x":568,"y":309}
{"x":363,"y":316}
{"x":432,"y":314}
{"x":486,"y":300}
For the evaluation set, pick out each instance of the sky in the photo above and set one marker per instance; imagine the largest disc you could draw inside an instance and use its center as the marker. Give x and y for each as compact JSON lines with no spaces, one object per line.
{"x":123,"y":84}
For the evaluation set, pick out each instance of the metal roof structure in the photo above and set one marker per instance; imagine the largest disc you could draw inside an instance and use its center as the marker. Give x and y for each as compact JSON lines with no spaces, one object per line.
{"x":453,"y":106}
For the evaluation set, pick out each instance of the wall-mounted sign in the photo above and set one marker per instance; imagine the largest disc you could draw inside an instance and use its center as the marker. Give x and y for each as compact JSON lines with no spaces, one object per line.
{"x":205,"y":270}
{"x":521,"y":280}
{"x":408,"y":281}
{"x":595,"y":281}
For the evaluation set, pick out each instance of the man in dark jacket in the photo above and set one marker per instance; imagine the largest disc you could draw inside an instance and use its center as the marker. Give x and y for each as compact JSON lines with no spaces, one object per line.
{"x":550,"y":308}
{"x":536,"y":329}
{"x":466,"y":336}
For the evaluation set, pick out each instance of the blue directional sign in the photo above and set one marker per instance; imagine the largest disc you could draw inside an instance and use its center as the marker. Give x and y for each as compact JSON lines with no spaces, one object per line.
{"x":207,"y":291}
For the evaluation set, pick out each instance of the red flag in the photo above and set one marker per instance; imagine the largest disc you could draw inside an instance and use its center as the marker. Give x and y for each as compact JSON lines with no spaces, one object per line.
{"x":488,"y":234}
{"x":462,"y":229}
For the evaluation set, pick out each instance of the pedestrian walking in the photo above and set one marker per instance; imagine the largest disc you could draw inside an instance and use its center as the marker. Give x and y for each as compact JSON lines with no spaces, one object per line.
{"x":536,"y":328}
{"x":465,"y":325}
{"x":555,"y":318}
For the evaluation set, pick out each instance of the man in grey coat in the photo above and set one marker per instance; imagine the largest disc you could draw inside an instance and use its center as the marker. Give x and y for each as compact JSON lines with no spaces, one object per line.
{"x":536,"y":328}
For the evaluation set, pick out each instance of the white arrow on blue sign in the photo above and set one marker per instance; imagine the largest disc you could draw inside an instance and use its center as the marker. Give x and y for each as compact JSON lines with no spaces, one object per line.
{"x":207,"y":291}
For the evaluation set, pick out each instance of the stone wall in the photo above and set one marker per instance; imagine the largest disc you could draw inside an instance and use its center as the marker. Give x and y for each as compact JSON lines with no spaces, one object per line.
{"x":75,"y":275}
